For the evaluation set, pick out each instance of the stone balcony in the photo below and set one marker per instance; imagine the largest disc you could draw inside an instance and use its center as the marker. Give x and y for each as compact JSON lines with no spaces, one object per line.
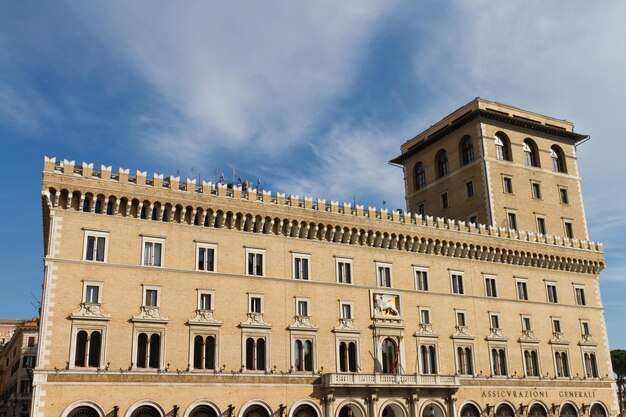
{"x":382,"y":380}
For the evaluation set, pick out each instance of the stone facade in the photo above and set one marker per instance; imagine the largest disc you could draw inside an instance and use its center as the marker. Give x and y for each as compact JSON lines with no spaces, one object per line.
{"x":164,"y":297}
{"x":17,"y":360}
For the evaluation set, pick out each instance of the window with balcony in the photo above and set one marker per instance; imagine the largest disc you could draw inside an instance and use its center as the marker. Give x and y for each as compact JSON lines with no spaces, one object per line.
{"x":348,"y":356}
{"x":428,"y":359}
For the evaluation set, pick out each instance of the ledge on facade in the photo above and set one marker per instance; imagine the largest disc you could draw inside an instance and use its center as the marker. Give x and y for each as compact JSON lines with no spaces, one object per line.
{"x":587,"y":340}
{"x":462,"y":332}
{"x":528,"y":336}
{"x":255,"y":320}
{"x":90,"y":311}
{"x":302,"y":323}
{"x":426,"y":330}
{"x":149,"y":314}
{"x":395,"y":380}
{"x":204,"y":318}
{"x":346,"y":326}
{"x":495,"y":334}
{"x":558,"y":338}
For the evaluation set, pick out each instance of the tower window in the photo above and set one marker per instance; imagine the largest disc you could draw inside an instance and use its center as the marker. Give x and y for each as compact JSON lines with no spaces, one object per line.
{"x":558,"y":159}
{"x":442,"y":163}
{"x":531,"y":158}
{"x":467,"y":150}
{"x":419,"y":176}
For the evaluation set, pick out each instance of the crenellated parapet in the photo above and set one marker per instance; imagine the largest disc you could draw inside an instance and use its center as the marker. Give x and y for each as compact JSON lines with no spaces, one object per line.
{"x":160,"y":198}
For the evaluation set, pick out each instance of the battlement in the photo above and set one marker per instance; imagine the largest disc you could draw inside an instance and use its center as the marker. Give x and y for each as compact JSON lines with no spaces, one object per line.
{"x":390,"y":219}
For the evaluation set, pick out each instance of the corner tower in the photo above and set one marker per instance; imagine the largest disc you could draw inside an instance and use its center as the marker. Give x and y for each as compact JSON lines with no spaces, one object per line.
{"x":499,"y":165}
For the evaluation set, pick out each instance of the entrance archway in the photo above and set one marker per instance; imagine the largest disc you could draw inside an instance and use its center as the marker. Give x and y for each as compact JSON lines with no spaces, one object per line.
{"x":568,"y":410}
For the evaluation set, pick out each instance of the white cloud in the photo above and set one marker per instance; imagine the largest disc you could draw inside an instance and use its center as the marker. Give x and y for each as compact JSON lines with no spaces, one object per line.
{"x":254,"y":76}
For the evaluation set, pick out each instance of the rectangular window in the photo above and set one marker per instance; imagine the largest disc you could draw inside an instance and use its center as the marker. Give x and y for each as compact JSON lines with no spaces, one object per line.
{"x":95,"y":246}
{"x":569,"y":229}
{"x":526,"y":325}
{"x":584,"y":325}
{"x":460,"y":318}
{"x":302,"y":307}
{"x":552,"y":294}
{"x":31,"y":341}
{"x":457,"y":283}
{"x":563,"y":195}
{"x":444,"y":201}
{"x":28,"y":362}
{"x":579,"y":292}
{"x":384,"y":275}
{"x":421,"y":278}
{"x":205,"y":300}
{"x":151,"y":297}
{"x":424,"y":316}
{"x":536,"y":190}
{"x":255,"y":265}
{"x":556,"y":325}
{"x":301,"y":266}
{"x":344,"y":271}
{"x":256,"y":304}
{"x":421,"y":210}
{"x":541,"y":225}
{"x":507,"y":185}
{"x":490,"y":287}
{"x":469,"y":189}
{"x":512,"y":219}
{"x":522,"y":290}
{"x":346,"y":310}
{"x":153,"y":251}
{"x":494,"y":321}
{"x":205,"y":257}
{"x":92,"y":294}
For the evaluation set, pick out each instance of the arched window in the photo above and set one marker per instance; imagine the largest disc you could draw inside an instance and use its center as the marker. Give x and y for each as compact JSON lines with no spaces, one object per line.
{"x":203,"y":411}
{"x":88,"y":348}
{"x":204,"y":352}
{"x":428,"y":359}
{"x":442,"y":163}
{"x":148,"y":350}
{"x":143,"y":212}
{"x":419,"y":176}
{"x":562,"y":365}
{"x":502,"y":142}
{"x":537,"y":410}
{"x":470,"y":410}
{"x":83,"y":411}
{"x":256,"y":411}
{"x":389,"y":356}
{"x":558,"y":159}
{"x":255,"y":354}
{"x":464,"y":359}
{"x":305,"y":410}
{"x":467,"y":150}
{"x":498,"y":359}
{"x":146,"y":411}
{"x":504,"y":410}
{"x":568,"y":410}
{"x":591,"y":366}
{"x":597,"y":411}
{"x":531,"y":362}
{"x":347,"y":357}
{"x":109,"y":207}
{"x":531,"y":158}
{"x":98,"y":207}
{"x":87,"y":203}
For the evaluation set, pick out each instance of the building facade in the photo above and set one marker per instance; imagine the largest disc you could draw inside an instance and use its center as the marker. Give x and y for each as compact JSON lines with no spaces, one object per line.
{"x":169,"y":298}
{"x":17,"y":361}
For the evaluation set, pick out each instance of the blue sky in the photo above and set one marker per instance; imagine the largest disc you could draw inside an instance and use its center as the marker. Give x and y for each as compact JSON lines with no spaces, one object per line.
{"x":313,"y":98}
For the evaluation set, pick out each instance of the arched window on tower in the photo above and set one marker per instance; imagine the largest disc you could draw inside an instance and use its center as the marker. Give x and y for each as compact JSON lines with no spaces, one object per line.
{"x":467,"y":150}
{"x":419,"y":175}
{"x":531,"y":158}
{"x":502,"y":142}
{"x":558,"y":159}
{"x":442,"y":163}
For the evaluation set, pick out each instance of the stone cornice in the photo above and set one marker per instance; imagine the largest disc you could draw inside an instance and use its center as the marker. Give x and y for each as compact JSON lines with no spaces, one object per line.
{"x":217,"y":205}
